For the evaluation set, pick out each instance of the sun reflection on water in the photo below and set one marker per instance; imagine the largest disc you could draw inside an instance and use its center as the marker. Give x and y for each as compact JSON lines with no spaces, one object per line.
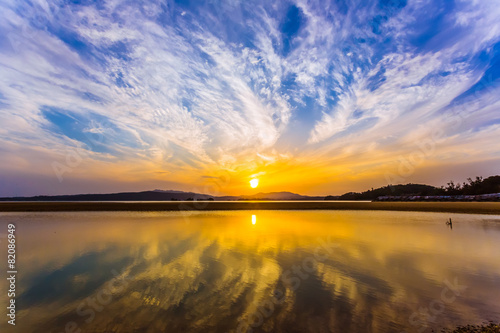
{"x":214,"y":273}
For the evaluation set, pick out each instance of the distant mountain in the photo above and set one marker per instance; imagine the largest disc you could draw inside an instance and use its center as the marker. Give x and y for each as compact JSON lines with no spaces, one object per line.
{"x":161,"y":195}
{"x":278,"y":196}
{"x":170,"y":191}
{"x":124,"y":196}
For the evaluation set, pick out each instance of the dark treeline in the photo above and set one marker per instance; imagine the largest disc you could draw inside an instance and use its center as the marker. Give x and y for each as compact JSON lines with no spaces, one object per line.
{"x":471,"y":187}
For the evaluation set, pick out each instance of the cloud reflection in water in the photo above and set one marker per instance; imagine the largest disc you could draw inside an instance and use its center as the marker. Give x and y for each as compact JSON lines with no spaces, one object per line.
{"x":215,"y":273}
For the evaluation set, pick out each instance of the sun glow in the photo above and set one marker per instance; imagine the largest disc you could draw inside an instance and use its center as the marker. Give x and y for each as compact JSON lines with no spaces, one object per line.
{"x":254,"y":183}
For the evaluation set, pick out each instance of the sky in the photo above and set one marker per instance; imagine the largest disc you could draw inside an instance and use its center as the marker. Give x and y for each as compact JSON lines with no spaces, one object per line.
{"x":313,"y":97}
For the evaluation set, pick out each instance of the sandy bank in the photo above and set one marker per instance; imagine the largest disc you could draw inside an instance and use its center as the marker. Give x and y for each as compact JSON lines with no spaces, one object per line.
{"x":450,"y":207}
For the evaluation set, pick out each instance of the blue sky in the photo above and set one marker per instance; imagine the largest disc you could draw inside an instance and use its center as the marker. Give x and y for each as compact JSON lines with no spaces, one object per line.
{"x":334,"y":95}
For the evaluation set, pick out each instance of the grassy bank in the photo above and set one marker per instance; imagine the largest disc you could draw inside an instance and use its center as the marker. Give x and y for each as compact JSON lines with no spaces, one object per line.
{"x":449,"y":207}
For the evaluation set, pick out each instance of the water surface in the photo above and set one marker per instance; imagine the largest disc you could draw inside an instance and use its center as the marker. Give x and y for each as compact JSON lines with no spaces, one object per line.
{"x":260,"y":271}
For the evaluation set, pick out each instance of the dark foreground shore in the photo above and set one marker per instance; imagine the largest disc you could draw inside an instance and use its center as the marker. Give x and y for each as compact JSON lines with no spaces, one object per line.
{"x":449,"y":207}
{"x":485,"y":328}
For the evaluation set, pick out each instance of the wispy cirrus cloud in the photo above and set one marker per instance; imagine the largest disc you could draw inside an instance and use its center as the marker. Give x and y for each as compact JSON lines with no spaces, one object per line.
{"x":247,"y":87}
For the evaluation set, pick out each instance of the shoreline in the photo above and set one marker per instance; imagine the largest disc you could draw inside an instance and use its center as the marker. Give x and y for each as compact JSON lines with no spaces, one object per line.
{"x":444,"y":207}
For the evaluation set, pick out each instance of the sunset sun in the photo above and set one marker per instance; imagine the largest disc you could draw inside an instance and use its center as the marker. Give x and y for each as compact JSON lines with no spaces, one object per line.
{"x":254,"y":183}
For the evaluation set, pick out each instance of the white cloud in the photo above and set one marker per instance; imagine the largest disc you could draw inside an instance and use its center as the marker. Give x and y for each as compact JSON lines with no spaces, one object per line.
{"x":189,"y":95}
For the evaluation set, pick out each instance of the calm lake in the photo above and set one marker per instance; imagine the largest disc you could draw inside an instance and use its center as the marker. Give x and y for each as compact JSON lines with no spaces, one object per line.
{"x":251,"y":271}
